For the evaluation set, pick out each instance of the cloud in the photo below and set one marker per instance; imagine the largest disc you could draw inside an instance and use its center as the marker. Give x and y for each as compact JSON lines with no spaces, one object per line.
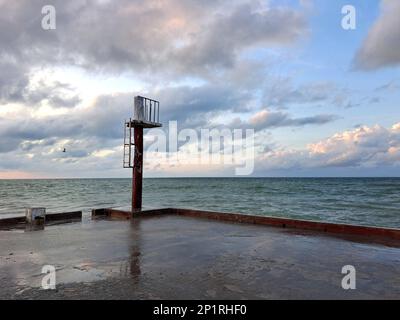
{"x":194,"y":106}
{"x":13,"y":81}
{"x":266,"y":119}
{"x":91,"y":131}
{"x":218,"y":44}
{"x":391,"y":86}
{"x":364,"y":151}
{"x":179,"y":37}
{"x":17,"y":86}
{"x":191,"y":106}
{"x":282,"y":94}
{"x":381,"y":48}
{"x":56,"y":94}
{"x":364,"y":147}
{"x":102,"y":120}
{"x":201,"y":59}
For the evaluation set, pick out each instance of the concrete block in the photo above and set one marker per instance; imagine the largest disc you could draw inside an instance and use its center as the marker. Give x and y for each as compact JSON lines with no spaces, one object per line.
{"x":35,"y":215}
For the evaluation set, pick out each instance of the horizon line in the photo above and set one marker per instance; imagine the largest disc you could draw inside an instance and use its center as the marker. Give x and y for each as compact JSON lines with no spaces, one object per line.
{"x":214,"y":177}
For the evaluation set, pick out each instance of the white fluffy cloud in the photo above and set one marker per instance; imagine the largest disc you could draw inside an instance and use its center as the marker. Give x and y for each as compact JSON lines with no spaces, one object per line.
{"x":366,"y":147}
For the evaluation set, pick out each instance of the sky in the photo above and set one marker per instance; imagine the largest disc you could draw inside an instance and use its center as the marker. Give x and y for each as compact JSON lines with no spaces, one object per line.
{"x":322,"y":100}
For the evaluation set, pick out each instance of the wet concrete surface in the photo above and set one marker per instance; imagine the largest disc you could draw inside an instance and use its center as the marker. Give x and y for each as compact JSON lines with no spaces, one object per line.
{"x":174,"y":257}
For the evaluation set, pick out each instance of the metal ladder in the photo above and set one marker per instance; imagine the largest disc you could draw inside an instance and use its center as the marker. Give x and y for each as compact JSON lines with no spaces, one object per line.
{"x":128,"y":154}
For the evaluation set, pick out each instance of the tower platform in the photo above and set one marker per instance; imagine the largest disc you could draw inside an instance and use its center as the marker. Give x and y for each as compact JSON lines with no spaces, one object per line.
{"x":143,"y":124}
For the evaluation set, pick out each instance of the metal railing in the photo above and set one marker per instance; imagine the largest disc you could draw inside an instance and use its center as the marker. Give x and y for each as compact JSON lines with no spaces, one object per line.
{"x":147,"y":110}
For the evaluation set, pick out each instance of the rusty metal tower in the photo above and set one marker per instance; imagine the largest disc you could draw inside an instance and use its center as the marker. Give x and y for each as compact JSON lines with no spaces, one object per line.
{"x":146,"y":115}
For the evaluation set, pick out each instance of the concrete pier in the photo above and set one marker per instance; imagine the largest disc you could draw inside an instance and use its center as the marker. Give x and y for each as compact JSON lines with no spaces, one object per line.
{"x":185,"y":257}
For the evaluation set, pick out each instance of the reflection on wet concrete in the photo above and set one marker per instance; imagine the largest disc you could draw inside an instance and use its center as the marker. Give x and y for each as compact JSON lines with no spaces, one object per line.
{"x":131,"y":267}
{"x":183,"y":258}
{"x":135,"y":250}
{"x":34,"y":227}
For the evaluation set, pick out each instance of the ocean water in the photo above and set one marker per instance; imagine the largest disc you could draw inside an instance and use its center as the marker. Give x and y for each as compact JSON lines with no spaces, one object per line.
{"x":364,"y":201}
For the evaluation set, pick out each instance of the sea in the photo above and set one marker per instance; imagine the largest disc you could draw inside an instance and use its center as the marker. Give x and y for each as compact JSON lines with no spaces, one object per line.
{"x":362,"y":201}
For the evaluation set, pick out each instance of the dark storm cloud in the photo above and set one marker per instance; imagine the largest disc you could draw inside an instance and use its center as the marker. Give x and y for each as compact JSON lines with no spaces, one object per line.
{"x":13,"y":81}
{"x":9,"y":144}
{"x":381,"y":48}
{"x":104,"y":119}
{"x":219,"y":43}
{"x":191,"y":107}
{"x":199,"y":43}
{"x":57,"y":94}
{"x":15,"y":87}
{"x":187,"y":104}
{"x":143,"y":35}
{"x":150,"y":38}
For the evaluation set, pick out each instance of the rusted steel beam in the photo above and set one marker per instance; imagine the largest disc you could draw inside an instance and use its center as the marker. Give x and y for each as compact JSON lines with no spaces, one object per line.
{"x":337,"y":228}
{"x":137,"y":175}
{"x":123,"y":214}
{"x":372,"y":233}
{"x":99,"y":212}
{"x":12,"y":221}
{"x":64,"y":216}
